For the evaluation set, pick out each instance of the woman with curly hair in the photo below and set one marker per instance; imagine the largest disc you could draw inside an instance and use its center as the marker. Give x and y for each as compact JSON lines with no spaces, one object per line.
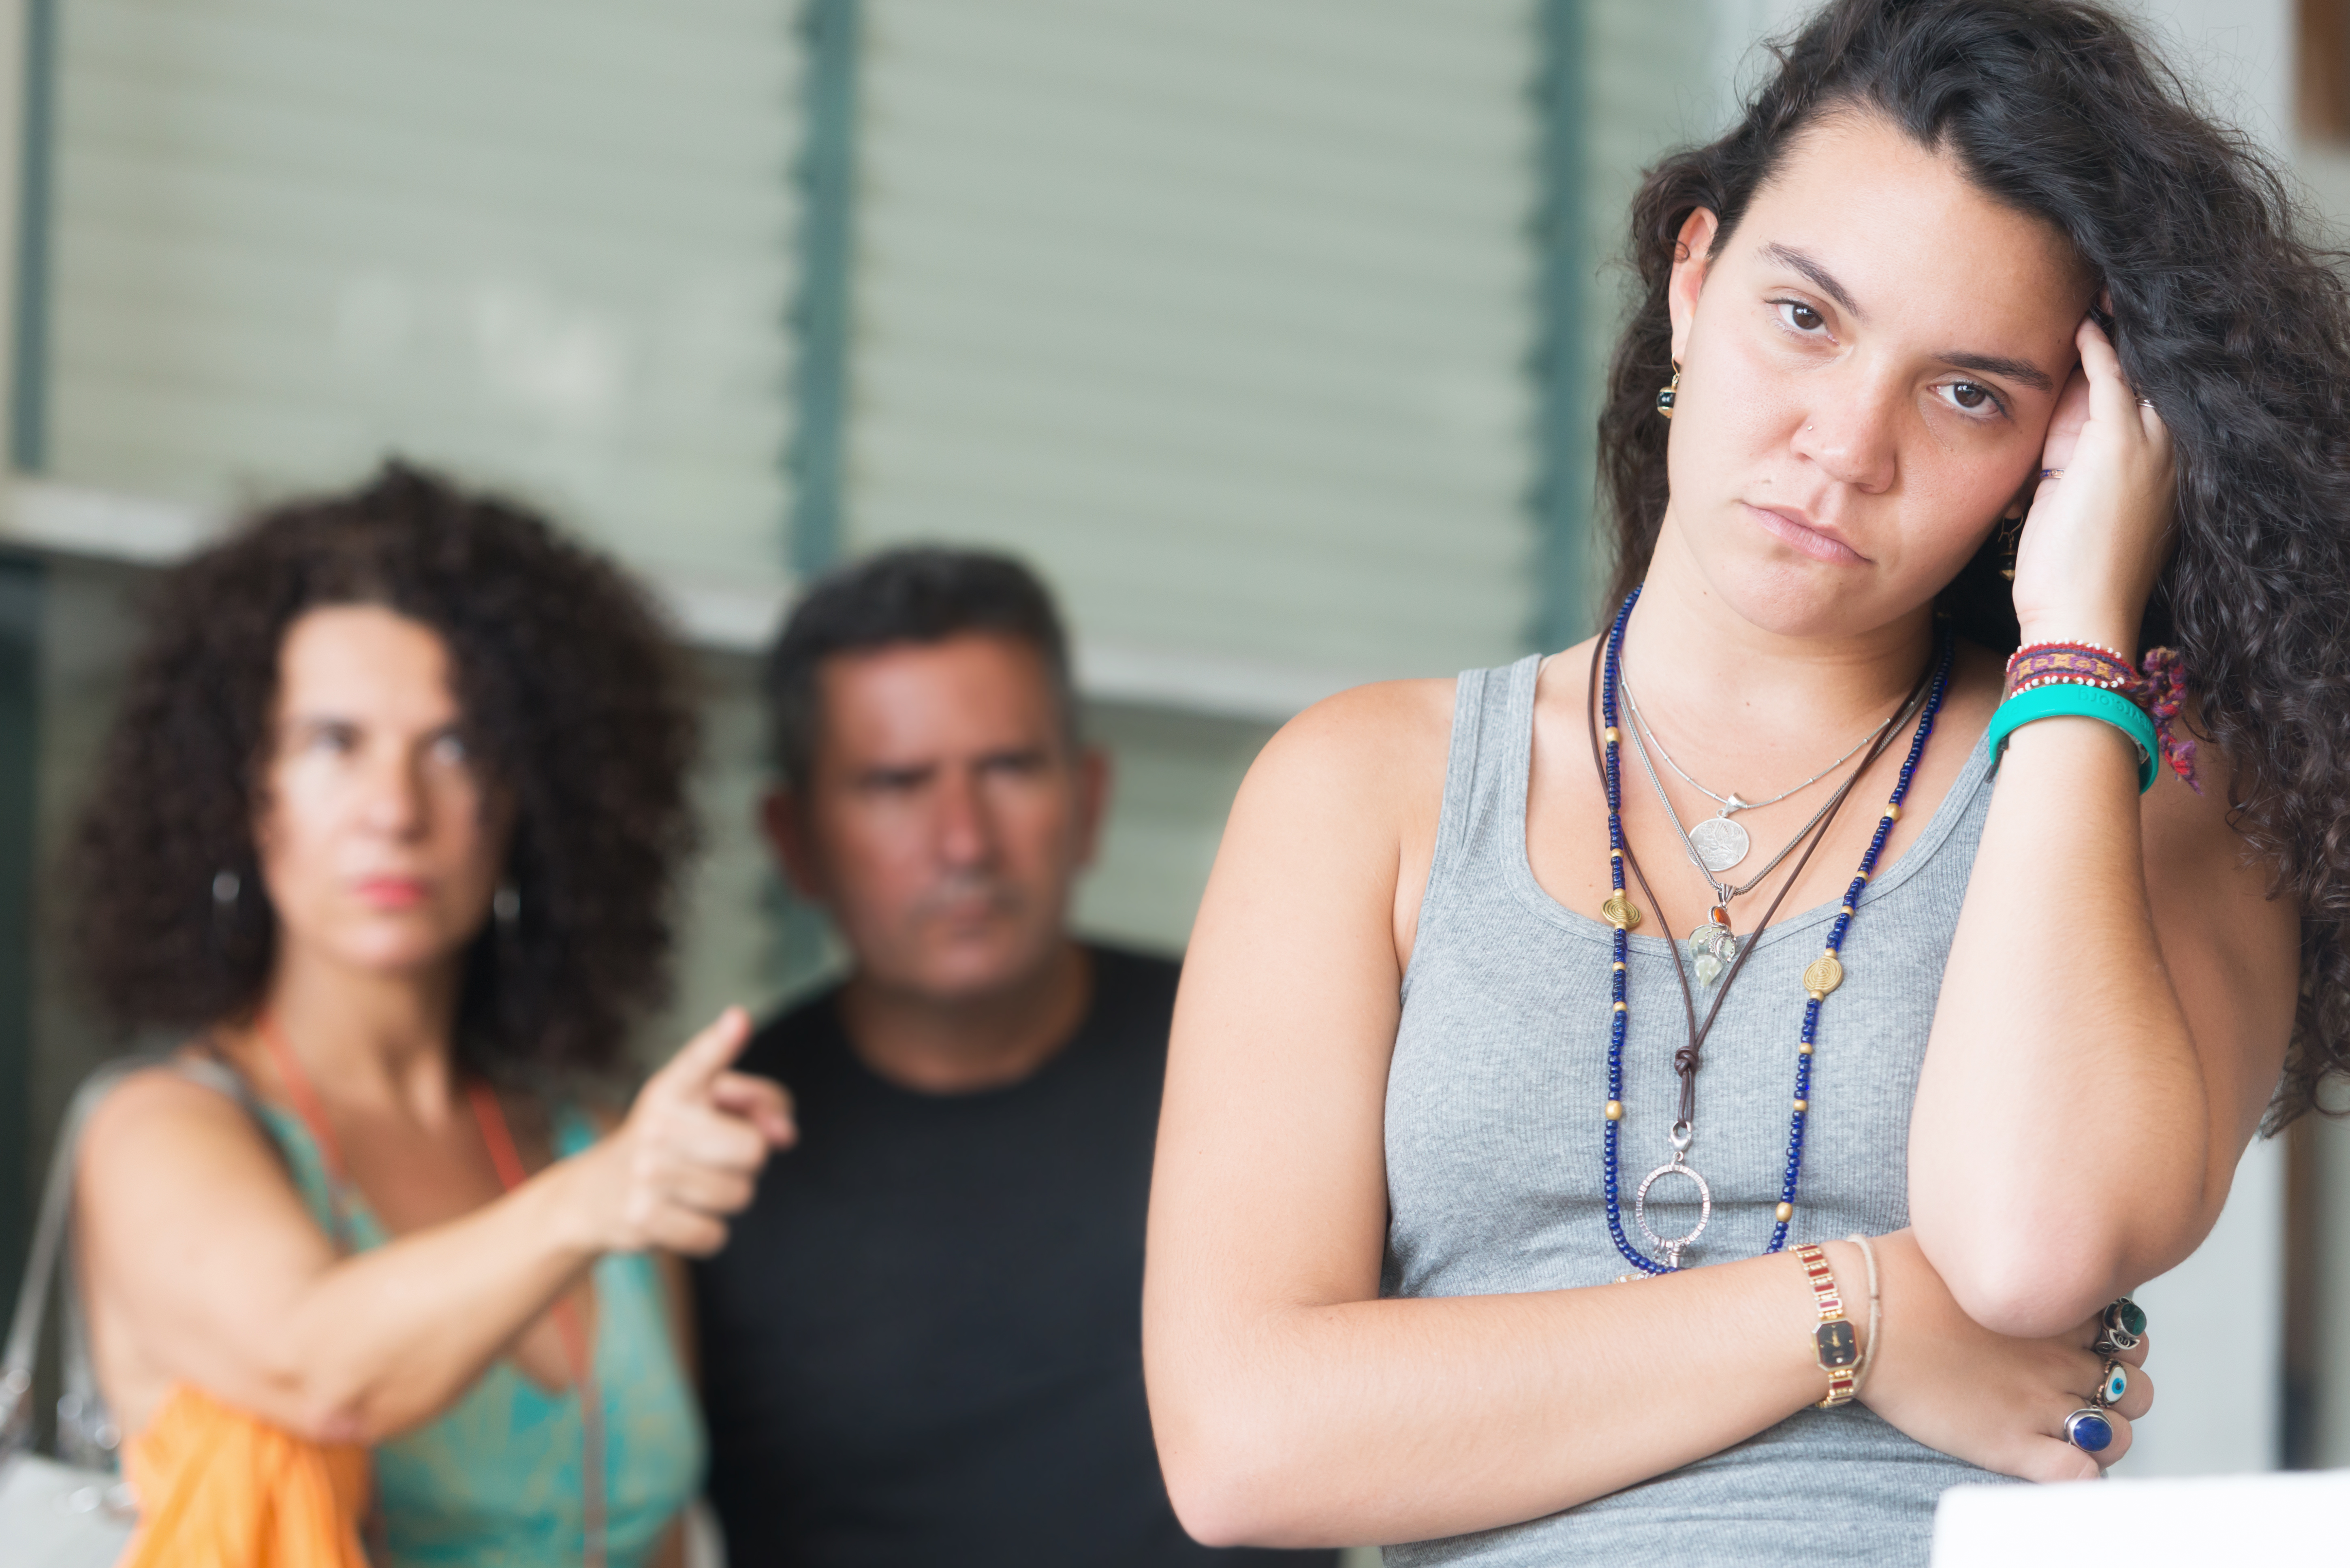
{"x":1789,"y":998}
{"x":387,"y":826}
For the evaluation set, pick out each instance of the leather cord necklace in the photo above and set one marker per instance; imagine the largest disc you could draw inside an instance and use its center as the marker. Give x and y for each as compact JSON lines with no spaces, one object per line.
{"x":1821,"y":977}
{"x":1685,"y":1060}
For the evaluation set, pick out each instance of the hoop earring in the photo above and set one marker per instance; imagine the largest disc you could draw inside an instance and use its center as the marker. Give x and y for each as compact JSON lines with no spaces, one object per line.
{"x":2011,"y":535}
{"x":1666,"y":395}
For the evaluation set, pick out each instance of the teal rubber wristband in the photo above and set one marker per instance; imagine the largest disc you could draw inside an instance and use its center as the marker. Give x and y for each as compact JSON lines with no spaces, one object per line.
{"x":2066,"y":699}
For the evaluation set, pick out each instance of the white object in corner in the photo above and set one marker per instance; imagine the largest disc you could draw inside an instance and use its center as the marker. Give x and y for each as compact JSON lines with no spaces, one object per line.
{"x":2208,"y":1519}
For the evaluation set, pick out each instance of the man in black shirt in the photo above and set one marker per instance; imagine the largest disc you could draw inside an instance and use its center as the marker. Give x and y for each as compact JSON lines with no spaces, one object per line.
{"x":921,"y":1346}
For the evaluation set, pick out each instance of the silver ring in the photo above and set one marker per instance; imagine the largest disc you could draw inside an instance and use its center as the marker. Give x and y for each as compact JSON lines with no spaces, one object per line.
{"x":2146,"y":402}
{"x":2052,"y":473}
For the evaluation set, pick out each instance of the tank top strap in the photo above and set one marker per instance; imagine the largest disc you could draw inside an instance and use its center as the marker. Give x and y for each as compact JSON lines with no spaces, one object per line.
{"x":1485,"y":772}
{"x":573,"y":1130}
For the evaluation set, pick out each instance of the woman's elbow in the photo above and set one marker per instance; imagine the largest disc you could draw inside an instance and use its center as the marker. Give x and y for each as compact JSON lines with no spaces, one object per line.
{"x":1226,"y":1495}
{"x":310,"y":1398}
{"x":2028,"y":1281}
{"x":1228,"y":1463}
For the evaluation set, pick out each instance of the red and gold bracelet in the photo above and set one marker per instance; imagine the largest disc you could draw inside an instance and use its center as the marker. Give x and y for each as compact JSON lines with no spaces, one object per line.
{"x":1834,"y":1342}
{"x":2076,"y":663}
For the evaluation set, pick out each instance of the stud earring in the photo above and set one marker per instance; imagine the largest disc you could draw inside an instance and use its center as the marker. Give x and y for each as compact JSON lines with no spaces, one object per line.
{"x":506,"y":905}
{"x":226,"y":886}
{"x":1665,"y":395}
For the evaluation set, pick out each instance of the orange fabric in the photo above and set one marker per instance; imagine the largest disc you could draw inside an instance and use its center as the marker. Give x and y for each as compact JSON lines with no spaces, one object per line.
{"x":220,"y":1489}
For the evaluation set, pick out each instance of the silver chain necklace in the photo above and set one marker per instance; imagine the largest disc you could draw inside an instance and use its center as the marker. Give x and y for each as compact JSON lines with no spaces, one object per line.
{"x":1713,"y":945}
{"x":1719,"y":842}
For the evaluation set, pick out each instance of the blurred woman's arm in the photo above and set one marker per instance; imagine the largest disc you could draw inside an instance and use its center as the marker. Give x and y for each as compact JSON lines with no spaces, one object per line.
{"x":204,"y":1267}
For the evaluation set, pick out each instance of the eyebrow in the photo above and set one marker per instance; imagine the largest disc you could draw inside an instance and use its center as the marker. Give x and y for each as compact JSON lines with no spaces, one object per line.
{"x":1822,"y":279}
{"x":2021,"y":370}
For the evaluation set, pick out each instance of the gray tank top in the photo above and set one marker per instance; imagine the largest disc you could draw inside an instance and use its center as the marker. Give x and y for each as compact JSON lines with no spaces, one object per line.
{"x":1494,"y":1113}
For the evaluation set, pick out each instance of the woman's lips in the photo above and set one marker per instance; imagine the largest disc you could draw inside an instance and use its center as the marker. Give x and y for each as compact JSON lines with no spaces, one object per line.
{"x":1809,"y":540}
{"x":392,"y":892}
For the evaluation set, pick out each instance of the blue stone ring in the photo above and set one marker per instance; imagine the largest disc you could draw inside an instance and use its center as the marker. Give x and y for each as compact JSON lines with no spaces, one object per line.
{"x":2089,"y":1430}
{"x":2116,"y":1384}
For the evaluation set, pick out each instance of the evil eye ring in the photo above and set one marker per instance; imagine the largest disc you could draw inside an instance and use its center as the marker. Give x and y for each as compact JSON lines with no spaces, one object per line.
{"x":2089,"y":1430}
{"x":2115,"y":1385}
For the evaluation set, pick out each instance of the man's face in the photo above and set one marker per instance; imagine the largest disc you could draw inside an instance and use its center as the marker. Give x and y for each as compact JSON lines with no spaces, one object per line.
{"x":945,"y":816}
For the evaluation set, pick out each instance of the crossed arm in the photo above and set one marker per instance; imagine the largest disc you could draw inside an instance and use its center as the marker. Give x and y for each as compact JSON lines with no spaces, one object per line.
{"x":1293,"y":1406}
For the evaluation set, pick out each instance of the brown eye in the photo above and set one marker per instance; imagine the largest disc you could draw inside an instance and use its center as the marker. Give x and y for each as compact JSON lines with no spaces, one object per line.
{"x":1801,"y":316}
{"x":1968,"y":395}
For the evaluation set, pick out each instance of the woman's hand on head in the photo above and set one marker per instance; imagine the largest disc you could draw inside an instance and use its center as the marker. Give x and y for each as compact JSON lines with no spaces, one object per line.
{"x":1992,"y":1401}
{"x":689,"y":1152}
{"x":2094,"y":540}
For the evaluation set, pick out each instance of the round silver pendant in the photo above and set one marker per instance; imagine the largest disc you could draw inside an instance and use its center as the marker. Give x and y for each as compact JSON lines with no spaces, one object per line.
{"x":1672,"y":1246}
{"x":1719,"y":842}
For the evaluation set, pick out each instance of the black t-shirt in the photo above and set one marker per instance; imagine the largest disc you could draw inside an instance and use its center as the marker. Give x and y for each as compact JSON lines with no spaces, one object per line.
{"x":922,"y":1346}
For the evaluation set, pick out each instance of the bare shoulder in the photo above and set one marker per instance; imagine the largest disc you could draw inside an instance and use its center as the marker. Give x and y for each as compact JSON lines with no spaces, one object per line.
{"x":1386,"y":717}
{"x":158,"y":1104}
{"x":1381,"y":742}
{"x":158,"y":1133}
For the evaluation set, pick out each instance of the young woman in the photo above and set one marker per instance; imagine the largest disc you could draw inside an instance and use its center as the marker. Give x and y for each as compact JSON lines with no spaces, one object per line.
{"x":1447,"y":1066}
{"x":389,"y":821}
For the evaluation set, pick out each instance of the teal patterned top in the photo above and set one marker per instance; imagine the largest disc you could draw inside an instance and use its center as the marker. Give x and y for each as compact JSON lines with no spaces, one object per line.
{"x":494,"y":1480}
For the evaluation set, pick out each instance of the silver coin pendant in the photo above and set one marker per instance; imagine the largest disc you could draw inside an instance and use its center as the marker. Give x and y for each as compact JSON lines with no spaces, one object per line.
{"x":1720,"y":843}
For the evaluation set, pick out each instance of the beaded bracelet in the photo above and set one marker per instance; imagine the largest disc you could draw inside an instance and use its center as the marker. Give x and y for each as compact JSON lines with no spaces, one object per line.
{"x":2073,"y":700}
{"x":2083,"y":662}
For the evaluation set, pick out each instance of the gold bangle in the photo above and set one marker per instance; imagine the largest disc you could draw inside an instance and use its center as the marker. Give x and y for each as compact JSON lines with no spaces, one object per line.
{"x":1876,"y":1315}
{"x":1833,"y":1341}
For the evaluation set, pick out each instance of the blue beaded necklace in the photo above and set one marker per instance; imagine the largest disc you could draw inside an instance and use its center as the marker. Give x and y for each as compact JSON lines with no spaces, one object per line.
{"x":1822,"y":975}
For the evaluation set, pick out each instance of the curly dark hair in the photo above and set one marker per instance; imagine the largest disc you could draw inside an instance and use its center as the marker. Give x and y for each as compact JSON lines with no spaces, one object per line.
{"x":573,"y":700}
{"x":2225,"y":316}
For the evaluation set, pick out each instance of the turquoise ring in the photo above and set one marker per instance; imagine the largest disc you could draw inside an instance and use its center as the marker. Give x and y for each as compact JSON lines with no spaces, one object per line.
{"x":2116,"y":1384}
{"x":2088,"y":1430}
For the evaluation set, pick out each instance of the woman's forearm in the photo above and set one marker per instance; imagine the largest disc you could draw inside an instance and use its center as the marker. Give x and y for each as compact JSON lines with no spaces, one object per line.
{"x":1400,"y":1420}
{"x":384,"y":1339}
{"x":2062,"y":1146}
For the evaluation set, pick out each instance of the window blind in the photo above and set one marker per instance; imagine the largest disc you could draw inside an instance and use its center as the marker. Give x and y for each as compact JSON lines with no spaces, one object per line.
{"x":545,"y":242}
{"x":1220,"y":313}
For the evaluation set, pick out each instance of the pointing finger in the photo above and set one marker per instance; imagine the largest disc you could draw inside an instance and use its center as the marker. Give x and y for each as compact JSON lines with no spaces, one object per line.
{"x":702,"y":1059}
{"x":763,"y":1103}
